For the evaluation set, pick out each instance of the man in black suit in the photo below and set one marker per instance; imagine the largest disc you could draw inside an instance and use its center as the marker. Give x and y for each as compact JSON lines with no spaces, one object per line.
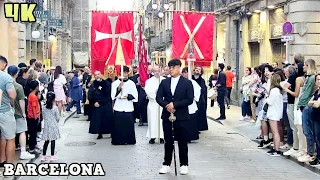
{"x":221,"y":88}
{"x":174,"y":95}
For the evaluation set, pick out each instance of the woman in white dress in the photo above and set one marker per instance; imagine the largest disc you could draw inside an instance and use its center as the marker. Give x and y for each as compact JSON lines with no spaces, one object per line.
{"x":275,"y":112}
{"x":58,"y":86}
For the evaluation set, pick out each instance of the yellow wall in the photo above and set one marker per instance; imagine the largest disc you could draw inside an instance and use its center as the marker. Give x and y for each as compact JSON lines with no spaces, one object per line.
{"x":9,"y":38}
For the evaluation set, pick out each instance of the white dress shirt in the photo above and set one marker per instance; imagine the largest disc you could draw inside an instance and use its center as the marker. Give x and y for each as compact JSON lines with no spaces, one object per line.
{"x":197,"y":92}
{"x":124,"y":105}
{"x":174,"y":83}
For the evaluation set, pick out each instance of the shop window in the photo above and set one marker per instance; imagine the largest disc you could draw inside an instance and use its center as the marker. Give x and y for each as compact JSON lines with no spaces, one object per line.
{"x":255,"y":53}
{"x":278,"y":51}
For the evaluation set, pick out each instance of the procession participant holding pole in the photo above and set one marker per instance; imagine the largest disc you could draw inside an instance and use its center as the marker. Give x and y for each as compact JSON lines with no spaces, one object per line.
{"x":124,"y":93}
{"x":174,"y":95}
{"x":143,"y":100}
{"x":154,"y":121}
{"x":193,"y":124}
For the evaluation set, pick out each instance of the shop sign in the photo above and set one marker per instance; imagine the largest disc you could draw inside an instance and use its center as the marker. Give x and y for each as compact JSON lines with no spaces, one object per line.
{"x":253,"y":35}
{"x":275,"y":31}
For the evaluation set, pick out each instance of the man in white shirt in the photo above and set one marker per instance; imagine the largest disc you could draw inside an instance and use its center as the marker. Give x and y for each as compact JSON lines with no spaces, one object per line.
{"x":124,"y":93}
{"x":174,"y":95}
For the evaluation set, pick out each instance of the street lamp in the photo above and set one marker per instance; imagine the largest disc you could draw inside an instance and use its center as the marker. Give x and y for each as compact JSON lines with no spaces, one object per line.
{"x":161,"y":6}
{"x":160,"y":14}
{"x":51,"y":38}
{"x":35,"y":34}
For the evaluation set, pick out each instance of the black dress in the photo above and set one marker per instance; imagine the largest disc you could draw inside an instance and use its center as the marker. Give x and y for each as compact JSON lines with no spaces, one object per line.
{"x":101,"y":120}
{"x":123,"y":132}
{"x":202,"y":105}
{"x":143,"y":105}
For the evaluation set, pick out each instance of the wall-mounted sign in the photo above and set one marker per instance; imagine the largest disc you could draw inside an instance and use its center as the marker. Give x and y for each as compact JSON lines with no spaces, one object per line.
{"x":287,"y":28}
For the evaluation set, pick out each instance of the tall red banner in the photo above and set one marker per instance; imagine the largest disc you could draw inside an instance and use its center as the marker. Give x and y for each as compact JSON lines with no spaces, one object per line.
{"x":143,"y":62}
{"x":193,"y":27}
{"x":105,"y":29}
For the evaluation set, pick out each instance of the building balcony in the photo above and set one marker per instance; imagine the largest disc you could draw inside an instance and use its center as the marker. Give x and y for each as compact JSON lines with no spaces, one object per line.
{"x":158,"y":42}
{"x":168,"y":35}
{"x":149,"y":32}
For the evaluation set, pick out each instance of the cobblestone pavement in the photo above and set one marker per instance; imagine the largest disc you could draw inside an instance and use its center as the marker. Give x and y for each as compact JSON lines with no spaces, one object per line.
{"x":220,"y":154}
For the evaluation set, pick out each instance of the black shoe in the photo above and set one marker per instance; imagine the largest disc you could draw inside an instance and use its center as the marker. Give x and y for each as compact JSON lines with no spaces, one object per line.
{"x":140,"y":124}
{"x":100,"y":137}
{"x":161,"y":141}
{"x":2,"y":164}
{"x":274,"y":153}
{"x":315,"y":162}
{"x":263,"y":144}
{"x":221,"y":118}
{"x":228,"y":107}
{"x":152,"y":141}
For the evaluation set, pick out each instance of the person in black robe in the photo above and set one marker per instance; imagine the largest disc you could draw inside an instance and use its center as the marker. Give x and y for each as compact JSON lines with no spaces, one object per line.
{"x":99,"y":96}
{"x":143,"y":101}
{"x":135,"y":79}
{"x":124,"y":93}
{"x":202,"y":104}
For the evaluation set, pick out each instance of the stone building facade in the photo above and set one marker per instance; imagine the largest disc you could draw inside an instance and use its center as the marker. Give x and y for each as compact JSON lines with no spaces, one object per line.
{"x":248,"y":33}
{"x":80,"y":30}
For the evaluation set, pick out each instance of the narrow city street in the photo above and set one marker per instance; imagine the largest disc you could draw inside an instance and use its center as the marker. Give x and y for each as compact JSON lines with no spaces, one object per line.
{"x":220,"y":154}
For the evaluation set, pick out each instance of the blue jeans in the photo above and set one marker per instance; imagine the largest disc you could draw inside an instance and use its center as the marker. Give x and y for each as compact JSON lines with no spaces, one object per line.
{"x":317,"y":137}
{"x":287,"y":124}
{"x":246,"y":108}
{"x":77,"y":103}
{"x":307,"y":126}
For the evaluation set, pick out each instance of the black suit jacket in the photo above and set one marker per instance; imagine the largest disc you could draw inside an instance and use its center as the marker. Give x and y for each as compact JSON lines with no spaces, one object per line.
{"x":182,"y":98}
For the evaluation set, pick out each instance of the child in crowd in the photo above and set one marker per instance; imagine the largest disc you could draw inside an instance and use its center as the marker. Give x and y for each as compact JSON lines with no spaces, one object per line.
{"x":51,"y":117}
{"x":33,"y":116}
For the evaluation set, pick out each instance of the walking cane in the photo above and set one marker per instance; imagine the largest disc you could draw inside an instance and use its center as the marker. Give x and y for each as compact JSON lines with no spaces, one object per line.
{"x":172,"y":118}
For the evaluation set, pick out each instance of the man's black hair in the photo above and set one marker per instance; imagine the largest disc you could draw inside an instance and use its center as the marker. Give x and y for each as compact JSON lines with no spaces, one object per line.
{"x":32,"y":61}
{"x":228,"y":68}
{"x":126,"y":69}
{"x":269,"y":67}
{"x":221,"y":66}
{"x":3,"y":59}
{"x":174,"y":62}
{"x":185,"y":70}
{"x":33,"y":85}
{"x":22,"y":65}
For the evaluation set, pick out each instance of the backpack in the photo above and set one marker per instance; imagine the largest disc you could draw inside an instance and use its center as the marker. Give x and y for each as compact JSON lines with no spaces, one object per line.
{"x":50,"y":87}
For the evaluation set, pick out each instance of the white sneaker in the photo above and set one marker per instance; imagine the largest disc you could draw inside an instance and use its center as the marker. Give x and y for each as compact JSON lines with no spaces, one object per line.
{"x":53,"y":158}
{"x":242,"y":118}
{"x":298,"y":154}
{"x":44,"y":158}
{"x":290,"y":152}
{"x":26,"y":155}
{"x":305,"y":158}
{"x":252,"y":121}
{"x":286,"y":147}
{"x":164,"y":169}
{"x":184,"y":170}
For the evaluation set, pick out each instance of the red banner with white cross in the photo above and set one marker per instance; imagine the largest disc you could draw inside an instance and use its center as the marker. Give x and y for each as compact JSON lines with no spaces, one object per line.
{"x":107,"y":29}
{"x":196,"y":28}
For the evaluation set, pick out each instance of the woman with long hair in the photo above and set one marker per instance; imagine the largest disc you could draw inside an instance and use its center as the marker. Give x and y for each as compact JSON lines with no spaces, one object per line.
{"x":59,"y":88}
{"x":295,"y":117}
{"x":274,"y":112}
{"x":310,"y":70}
